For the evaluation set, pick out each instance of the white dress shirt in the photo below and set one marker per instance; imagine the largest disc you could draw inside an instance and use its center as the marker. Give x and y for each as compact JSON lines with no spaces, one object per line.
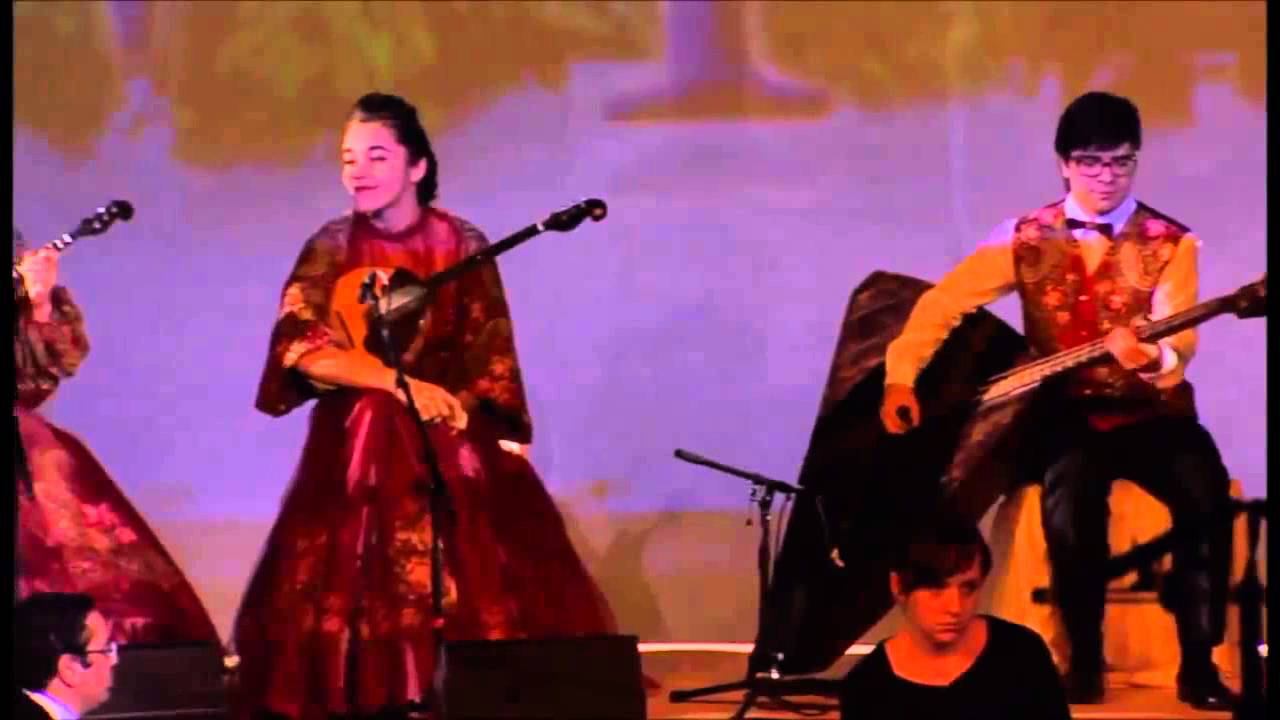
{"x":56,"y":709}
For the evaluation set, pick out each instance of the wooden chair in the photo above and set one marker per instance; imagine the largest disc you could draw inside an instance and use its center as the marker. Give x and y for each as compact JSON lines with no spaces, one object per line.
{"x":1139,"y":636}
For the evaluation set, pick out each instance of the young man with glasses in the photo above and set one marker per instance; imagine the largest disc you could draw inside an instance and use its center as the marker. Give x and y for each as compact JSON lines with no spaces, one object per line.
{"x":1090,"y":267}
{"x":63,"y":657}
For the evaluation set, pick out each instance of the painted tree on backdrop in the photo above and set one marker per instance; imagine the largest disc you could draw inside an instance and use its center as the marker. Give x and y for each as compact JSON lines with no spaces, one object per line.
{"x":778,"y":59}
{"x":888,"y":55}
{"x":68,"y":81}
{"x":252,"y":81}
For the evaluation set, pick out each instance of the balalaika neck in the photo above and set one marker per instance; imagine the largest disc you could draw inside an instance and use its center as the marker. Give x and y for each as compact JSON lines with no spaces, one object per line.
{"x":1029,"y":376}
{"x":1163,"y":328}
{"x":1188,"y":318}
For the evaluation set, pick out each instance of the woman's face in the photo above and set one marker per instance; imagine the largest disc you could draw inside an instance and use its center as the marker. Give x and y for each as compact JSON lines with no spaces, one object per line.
{"x":941,"y":615}
{"x":375,"y":168}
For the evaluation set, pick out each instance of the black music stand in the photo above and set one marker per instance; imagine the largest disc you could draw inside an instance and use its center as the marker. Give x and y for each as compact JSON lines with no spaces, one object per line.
{"x":769,"y":683}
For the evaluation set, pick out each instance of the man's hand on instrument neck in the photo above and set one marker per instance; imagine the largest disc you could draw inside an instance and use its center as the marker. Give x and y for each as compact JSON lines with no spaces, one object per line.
{"x":900,"y":410}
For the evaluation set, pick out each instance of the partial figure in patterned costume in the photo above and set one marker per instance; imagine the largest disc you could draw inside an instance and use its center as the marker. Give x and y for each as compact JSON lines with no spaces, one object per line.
{"x":351,"y":545}
{"x":1086,"y":267}
{"x":77,"y":532}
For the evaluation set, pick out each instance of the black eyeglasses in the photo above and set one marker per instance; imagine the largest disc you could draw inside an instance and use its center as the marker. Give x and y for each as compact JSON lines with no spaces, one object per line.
{"x":1091,"y":165}
{"x":112,"y":650}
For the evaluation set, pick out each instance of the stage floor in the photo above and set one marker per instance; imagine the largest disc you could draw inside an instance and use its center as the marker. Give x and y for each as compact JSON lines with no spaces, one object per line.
{"x":679,"y":670}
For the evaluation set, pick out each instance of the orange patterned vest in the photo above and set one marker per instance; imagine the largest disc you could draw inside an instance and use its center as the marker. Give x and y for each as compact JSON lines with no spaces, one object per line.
{"x":1064,"y":306}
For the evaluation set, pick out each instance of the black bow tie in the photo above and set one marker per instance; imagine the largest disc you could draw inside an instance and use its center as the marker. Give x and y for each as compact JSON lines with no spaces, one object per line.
{"x":1103,"y":228}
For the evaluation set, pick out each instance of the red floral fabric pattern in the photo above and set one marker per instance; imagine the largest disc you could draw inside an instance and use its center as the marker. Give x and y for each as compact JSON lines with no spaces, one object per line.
{"x":1065,"y":306}
{"x":351,"y":547}
{"x":77,"y":532}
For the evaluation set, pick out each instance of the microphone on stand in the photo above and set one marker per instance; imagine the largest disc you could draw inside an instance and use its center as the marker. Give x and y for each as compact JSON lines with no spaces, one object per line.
{"x":406,"y":292}
{"x":756,"y":478}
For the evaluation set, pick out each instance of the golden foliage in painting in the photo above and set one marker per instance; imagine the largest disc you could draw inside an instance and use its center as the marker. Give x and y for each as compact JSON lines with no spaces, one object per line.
{"x":67,"y":81}
{"x":884,"y":55}
{"x":251,"y":81}
{"x":272,"y":81}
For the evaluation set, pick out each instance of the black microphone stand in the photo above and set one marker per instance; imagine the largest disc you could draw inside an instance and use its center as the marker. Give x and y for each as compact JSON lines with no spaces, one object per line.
{"x":435,"y":490}
{"x":769,"y":683}
{"x":404,"y":294}
{"x":408,"y":294}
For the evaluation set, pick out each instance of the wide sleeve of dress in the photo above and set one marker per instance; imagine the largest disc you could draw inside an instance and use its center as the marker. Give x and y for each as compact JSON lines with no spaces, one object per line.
{"x":46,"y":352}
{"x":301,"y":322}
{"x":487,"y":368}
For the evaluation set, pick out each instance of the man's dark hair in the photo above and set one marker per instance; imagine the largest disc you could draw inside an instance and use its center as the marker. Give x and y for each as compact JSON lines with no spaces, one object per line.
{"x":45,"y":627}
{"x":939,"y":550}
{"x":402,"y":117}
{"x":1097,"y":121}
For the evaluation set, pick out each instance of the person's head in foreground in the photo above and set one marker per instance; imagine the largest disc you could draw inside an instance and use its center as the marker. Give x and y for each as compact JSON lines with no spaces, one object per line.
{"x":63,"y":653}
{"x":936,"y":579}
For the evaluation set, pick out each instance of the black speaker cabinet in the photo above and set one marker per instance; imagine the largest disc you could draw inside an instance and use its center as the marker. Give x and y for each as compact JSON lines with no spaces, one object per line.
{"x":167,"y":681}
{"x":582,"y":678}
